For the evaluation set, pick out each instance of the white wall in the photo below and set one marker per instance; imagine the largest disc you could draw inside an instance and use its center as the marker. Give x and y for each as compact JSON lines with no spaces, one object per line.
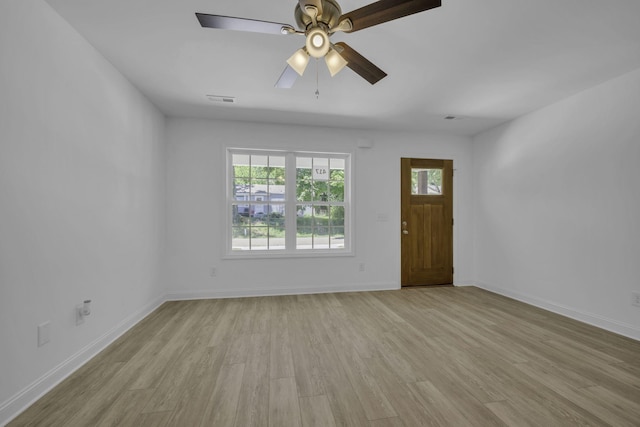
{"x":81,"y":200}
{"x":557,"y":206}
{"x":195,"y":209}
{"x":546,"y":206}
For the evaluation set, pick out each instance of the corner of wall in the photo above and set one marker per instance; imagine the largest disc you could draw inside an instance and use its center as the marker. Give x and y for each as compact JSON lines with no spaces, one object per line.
{"x":34,"y":391}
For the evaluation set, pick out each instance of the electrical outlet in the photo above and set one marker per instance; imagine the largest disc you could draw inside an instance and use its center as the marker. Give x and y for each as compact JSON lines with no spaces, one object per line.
{"x":361,"y":268}
{"x":44,"y":330}
{"x":635,"y":298}
{"x":213,"y":272}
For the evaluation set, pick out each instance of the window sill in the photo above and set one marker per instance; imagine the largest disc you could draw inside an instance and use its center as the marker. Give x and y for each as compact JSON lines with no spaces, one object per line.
{"x":244,"y":255}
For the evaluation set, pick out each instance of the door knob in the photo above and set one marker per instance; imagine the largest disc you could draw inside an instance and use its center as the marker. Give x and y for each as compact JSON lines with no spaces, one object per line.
{"x":405,"y":232}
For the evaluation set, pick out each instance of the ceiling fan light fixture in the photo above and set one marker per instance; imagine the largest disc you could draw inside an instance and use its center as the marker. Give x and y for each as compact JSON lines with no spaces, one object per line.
{"x":335,"y":62}
{"x":318,"y":20}
{"x":317,"y":42}
{"x":299,"y":61}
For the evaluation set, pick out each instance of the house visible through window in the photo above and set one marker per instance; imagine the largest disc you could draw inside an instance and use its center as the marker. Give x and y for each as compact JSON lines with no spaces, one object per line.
{"x":288,"y":202}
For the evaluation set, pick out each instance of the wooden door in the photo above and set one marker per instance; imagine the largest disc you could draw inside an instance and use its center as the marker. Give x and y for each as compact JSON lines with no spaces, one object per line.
{"x":426,"y":222}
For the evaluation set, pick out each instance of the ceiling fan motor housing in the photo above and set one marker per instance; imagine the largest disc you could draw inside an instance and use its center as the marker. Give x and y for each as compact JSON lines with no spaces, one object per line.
{"x":331,"y":14}
{"x":318,"y":43}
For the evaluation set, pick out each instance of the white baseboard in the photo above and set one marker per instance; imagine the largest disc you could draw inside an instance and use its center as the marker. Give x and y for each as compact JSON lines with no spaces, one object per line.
{"x":464,"y":283}
{"x":620,"y":328}
{"x":25,"y":398}
{"x":259,"y":292}
{"x":29,"y":395}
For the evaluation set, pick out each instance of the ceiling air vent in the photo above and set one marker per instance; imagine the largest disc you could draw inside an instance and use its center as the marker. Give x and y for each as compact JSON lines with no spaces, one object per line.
{"x":223,"y":99}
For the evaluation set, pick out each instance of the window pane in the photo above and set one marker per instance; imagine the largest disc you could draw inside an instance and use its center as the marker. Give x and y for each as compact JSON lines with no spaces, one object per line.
{"x":337,"y":237}
{"x":259,"y":188}
{"x":241,"y":189}
{"x":259,"y":240}
{"x":241,"y":164}
{"x":277,"y":176}
{"x":336,"y":184}
{"x":337,"y":216}
{"x":303,"y":162}
{"x":337,"y":233}
{"x":321,"y":241}
{"x":257,"y":212}
{"x":304,"y":238}
{"x":242,"y":181}
{"x":426,"y":181}
{"x":277,"y":161}
{"x":304,"y":216}
{"x":320,"y":191}
{"x":320,"y":170}
{"x":276,"y":170}
{"x":304,"y":228}
{"x":240,"y":214}
{"x":337,"y":164}
{"x":276,"y":191}
{"x":263,"y":211}
{"x":321,"y":224}
{"x":276,"y":239}
{"x":336,"y":191}
{"x":259,"y":161}
{"x":337,"y":227}
{"x":304,"y":181}
{"x":240,"y":238}
{"x":270,"y":215}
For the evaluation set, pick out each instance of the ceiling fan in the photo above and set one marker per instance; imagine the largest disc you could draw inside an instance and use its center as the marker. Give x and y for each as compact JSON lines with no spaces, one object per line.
{"x":318,"y":20}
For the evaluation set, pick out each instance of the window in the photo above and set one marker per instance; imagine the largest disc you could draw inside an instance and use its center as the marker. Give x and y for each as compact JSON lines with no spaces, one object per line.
{"x":288,"y":202}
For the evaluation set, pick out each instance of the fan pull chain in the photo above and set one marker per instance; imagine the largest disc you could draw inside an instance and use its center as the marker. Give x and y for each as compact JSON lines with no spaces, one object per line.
{"x":317,"y":88}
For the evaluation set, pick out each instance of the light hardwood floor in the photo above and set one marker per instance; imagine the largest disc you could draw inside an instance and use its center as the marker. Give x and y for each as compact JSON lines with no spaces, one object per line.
{"x":429,"y":356}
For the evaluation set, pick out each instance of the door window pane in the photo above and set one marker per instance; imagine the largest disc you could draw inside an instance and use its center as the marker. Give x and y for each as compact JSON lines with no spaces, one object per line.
{"x":426,"y":182}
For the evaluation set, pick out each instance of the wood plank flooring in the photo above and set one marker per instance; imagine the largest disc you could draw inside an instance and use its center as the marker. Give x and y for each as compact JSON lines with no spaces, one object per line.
{"x":414,"y":357}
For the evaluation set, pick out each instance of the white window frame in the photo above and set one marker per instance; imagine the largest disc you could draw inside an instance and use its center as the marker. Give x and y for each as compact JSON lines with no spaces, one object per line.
{"x":290,"y":204}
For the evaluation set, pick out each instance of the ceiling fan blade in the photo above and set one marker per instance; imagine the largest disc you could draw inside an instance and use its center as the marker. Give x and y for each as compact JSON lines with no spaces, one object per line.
{"x":315,"y":3}
{"x":241,"y":24}
{"x":386,"y":10}
{"x":287,"y":78}
{"x":359,"y":64}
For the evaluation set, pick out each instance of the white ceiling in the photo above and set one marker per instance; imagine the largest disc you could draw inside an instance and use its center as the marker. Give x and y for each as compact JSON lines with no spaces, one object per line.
{"x":485,"y":61}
